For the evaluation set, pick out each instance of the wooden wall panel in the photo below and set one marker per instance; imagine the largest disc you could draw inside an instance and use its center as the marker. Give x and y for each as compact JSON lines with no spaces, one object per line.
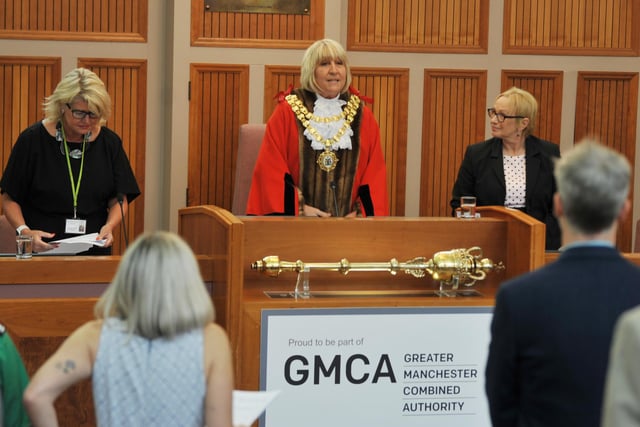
{"x":418,"y":26}
{"x":126,"y":82}
{"x":546,"y":87}
{"x":606,"y":108}
{"x":92,"y":20}
{"x":571,"y":27}
{"x":267,"y":30}
{"x":277,"y":79}
{"x":454,"y":115}
{"x":218,"y":105}
{"x":24,"y":84}
{"x":386,"y":87}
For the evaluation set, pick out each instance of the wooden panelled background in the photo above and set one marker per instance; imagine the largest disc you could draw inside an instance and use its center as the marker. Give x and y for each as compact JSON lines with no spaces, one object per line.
{"x":24,"y":84}
{"x":268,"y":30}
{"x":453,"y":117}
{"x":385,"y":86}
{"x":574,"y":27}
{"x":121,"y":20}
{"x":418,"y":26}
{"x":126,"y":82}
{"x":546,"y":87}
{"x":606,"y":108}
{"x":218,"y":105}
{"x":571,"y":27}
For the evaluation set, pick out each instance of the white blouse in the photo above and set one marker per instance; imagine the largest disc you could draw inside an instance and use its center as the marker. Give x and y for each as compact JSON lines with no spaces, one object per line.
{"x":515,"y":177}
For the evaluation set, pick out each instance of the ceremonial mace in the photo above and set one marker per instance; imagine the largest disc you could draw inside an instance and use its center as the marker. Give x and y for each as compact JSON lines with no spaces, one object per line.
{"x":450,"y":268}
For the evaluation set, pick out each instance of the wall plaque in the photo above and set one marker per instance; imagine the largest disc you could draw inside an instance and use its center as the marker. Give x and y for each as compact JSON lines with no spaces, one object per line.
{"x":287,"y":7}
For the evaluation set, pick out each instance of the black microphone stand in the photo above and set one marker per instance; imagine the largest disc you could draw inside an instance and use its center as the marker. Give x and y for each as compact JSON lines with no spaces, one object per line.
{"x":123,"y":222}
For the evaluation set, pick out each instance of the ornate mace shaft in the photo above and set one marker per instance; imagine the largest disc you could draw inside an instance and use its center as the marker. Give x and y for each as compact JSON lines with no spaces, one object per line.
{"x":463,"y":266}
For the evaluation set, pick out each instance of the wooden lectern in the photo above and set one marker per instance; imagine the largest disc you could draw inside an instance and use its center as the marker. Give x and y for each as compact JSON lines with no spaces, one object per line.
{"x":240,"y":293}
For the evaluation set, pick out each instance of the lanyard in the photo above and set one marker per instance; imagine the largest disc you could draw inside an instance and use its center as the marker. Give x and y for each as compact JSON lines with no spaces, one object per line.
{"x":75,"y":188}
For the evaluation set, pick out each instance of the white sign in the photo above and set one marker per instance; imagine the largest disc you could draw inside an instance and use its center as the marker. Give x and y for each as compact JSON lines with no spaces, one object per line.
{"x":376,"y":366}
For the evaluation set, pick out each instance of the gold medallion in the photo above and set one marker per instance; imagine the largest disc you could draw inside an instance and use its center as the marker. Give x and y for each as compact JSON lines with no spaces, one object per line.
{"x":327,"y":161}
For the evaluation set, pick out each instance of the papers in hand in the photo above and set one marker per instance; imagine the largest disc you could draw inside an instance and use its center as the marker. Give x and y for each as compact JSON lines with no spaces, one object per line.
{"x":74,"y":245}
{"x":248,"y":405}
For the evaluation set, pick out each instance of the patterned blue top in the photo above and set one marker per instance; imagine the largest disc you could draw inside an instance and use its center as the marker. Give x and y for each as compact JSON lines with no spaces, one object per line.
{"x":140,"y":382}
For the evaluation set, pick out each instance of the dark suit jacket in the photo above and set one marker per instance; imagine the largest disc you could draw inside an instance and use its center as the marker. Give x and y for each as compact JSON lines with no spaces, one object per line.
{"x":482,"y":175}
{"x":550,"y":337}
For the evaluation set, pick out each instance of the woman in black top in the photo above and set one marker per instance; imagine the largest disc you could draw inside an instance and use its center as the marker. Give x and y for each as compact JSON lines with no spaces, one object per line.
{"x":67,"y":174}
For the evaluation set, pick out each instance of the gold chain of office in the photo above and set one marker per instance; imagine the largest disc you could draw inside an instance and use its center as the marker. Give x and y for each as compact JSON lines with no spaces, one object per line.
{"x":348,"y":114}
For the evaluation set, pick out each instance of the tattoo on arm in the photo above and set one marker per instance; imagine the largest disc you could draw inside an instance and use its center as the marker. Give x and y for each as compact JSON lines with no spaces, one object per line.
{"x":66,"y":366}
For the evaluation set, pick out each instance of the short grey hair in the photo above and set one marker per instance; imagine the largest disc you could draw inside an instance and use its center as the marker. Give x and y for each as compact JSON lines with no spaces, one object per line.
{"x":593,"y":184}
{"x":158,"y":290}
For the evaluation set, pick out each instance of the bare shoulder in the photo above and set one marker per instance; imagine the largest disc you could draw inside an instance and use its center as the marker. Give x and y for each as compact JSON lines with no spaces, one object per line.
{"x":87,"y":335}
{"x":91,"y":329}
{"x":215,"y":334}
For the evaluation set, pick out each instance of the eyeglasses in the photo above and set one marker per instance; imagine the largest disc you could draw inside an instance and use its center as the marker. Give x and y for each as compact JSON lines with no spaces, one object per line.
{"x":81,"y":114}
{"x":501,"y":117}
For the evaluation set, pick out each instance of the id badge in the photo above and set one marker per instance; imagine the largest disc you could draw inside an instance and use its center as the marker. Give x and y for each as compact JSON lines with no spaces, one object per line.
{"x":75,"y":226}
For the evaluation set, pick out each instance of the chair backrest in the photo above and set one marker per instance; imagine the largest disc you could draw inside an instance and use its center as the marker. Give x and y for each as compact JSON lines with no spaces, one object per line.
{"x":249,"y":142}
{"x":636,"y":244}
{"x":7,"y":236}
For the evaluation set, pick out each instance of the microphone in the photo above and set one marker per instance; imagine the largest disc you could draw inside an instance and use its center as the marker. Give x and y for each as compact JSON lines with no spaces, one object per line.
{"x":332,"y":184}
{"x":123,"y":224}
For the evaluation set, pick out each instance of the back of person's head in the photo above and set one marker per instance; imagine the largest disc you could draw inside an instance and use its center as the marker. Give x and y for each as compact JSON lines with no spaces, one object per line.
{"x":593,"y":185}
{"x":523,"y":104}
{"x":82,"y":84}
{"x":319,"y":51}
{"x":158,"y":290}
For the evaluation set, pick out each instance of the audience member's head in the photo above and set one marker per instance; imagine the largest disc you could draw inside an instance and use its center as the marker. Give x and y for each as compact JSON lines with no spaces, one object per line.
{"x":593,"y":186}
{"x":158,"y":288}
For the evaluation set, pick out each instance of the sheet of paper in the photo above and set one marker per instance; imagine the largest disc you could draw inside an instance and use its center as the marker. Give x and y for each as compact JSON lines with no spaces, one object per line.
{"x":74,"y":245}
{"x":248,"y":405}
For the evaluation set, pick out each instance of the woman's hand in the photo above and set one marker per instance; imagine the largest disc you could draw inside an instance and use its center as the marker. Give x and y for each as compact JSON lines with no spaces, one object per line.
{"x":311,"y":211}
{"x":40,"y":245}
{"x":106,"y":235}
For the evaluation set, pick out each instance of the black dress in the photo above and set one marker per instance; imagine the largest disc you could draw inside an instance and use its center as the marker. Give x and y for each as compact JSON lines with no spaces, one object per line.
{"x":37,"y":178}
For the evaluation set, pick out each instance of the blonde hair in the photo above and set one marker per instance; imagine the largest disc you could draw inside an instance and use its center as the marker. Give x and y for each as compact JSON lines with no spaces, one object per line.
{"x":81,"y":84}
{"x":524,"y":104}
{"x":158,"y":290}
{"x":321,"y":50}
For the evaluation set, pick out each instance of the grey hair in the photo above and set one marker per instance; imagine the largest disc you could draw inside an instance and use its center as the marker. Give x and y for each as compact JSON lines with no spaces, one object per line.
{"x":81,"y":84}
{"x":593,"y":185}
{"x":319,"y":51}
{"x":158,"y":290}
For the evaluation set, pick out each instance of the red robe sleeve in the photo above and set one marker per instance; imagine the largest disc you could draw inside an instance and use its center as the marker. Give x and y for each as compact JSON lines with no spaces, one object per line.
{"x":277,"y":163}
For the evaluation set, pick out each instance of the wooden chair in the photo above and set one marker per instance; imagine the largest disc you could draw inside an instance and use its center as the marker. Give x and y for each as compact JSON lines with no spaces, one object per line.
{"x":249,"y":142}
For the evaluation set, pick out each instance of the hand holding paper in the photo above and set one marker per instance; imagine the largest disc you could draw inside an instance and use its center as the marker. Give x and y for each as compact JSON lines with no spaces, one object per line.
{"x":74,"y":245}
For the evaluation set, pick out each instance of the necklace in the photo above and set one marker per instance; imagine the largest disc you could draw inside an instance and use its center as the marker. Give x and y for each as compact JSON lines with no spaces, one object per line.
{"x":328,"y":160}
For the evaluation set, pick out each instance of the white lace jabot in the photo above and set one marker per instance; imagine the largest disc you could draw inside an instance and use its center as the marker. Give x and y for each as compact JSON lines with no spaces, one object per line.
{"x":324,"y":107}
